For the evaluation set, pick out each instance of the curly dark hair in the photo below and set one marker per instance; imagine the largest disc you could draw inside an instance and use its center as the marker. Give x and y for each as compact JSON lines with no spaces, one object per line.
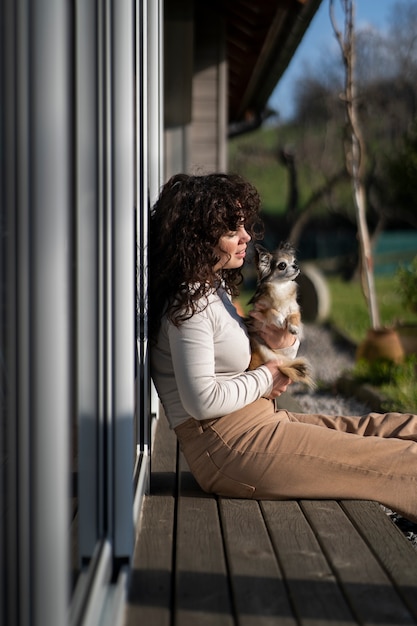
{"x":186,"y":223}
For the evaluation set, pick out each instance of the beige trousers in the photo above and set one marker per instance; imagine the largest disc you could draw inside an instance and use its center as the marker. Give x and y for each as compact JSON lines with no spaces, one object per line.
{"x":261,"y":453}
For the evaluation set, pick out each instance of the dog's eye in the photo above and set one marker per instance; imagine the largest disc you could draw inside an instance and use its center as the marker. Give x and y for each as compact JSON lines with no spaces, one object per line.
{"x":282,"y":265}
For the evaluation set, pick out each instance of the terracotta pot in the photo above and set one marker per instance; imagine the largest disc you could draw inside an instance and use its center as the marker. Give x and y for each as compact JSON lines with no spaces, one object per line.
{"x":381,"y":343}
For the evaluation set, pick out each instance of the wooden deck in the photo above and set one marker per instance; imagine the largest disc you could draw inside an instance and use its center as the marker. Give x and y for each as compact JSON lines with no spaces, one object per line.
{"x":207,"y":561}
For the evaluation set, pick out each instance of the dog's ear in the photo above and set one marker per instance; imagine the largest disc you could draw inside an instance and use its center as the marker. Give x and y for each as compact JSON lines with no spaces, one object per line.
{"x":287,"y":248}
{"x":263,"y":261}
{"x":260,"y":251}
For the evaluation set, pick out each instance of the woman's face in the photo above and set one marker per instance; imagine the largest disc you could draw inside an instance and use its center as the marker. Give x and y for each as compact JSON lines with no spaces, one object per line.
{"x":231,"y":249}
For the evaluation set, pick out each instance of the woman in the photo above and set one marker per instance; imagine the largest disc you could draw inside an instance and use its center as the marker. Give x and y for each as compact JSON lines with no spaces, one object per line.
{"x":234,"y":440}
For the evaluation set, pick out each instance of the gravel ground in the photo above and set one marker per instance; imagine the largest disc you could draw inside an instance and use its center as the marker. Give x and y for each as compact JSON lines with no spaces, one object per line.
{"x":329,"y":358}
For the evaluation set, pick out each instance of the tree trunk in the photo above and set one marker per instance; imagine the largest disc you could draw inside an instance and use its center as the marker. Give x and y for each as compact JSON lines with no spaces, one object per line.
{"x":355,"y":157}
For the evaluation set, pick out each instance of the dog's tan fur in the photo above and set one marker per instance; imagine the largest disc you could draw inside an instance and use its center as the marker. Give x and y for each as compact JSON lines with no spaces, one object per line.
{"x":276,"y":299}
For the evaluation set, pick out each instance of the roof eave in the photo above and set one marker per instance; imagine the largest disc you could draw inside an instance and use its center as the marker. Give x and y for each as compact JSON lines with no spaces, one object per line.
{"x":283,"y":39}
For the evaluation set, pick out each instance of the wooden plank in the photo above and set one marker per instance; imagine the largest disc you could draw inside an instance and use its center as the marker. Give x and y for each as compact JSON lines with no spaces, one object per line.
{"x":206,"y":114}
{"x":365,"y":584}
{"x":259,"y":591}
{"x":393,"y":550}
{"x":150,"y":588}
{"x":164,"y":458}
{"x":312,"y":585}
{"x":206,"y":90}
{"x":205,"y":131}
{"x":202,"y":586}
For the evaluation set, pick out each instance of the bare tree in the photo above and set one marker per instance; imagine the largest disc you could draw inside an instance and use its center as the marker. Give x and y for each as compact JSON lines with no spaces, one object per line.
{"x":310,"y":205}
{"x":355,"y":153}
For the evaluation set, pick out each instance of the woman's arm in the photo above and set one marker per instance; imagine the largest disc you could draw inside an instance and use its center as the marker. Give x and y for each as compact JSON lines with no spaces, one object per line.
{"x":212,"y":380}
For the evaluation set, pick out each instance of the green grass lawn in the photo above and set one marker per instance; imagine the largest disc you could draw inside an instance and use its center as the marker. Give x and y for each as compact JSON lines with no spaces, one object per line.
{"x":349,"y":311}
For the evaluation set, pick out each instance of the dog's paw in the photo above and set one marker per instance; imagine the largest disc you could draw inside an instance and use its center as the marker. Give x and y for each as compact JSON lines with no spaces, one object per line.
{"x":279,"y":321}
{"x":294,"y":330}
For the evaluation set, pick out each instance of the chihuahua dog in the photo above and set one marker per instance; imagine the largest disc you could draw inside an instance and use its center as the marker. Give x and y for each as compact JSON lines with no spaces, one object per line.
{"x":276,"y":299}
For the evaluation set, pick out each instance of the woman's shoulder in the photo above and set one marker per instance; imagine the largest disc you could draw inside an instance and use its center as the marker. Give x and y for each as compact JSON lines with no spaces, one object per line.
{"x":210,"y":306}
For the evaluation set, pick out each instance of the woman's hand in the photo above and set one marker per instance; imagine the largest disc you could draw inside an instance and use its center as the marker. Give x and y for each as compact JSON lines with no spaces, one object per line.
{"x":280,"y":382}
{"x":274,"y":337}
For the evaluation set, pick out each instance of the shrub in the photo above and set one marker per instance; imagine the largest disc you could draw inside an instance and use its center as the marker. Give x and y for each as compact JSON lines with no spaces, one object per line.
{"x":397,"y":382}
{"x":407,"y":279}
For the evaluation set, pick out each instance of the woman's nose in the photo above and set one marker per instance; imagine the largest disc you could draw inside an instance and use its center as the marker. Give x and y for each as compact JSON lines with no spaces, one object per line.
{"x":245,"y":236}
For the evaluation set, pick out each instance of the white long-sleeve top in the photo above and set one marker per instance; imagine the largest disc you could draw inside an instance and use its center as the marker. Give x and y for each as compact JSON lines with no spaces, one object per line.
{"x":199,"y":368}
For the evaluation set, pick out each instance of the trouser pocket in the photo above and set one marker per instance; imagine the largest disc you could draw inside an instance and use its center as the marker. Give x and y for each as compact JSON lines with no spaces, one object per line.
{"x":213,"y":480}
{"x":198,"y":450}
